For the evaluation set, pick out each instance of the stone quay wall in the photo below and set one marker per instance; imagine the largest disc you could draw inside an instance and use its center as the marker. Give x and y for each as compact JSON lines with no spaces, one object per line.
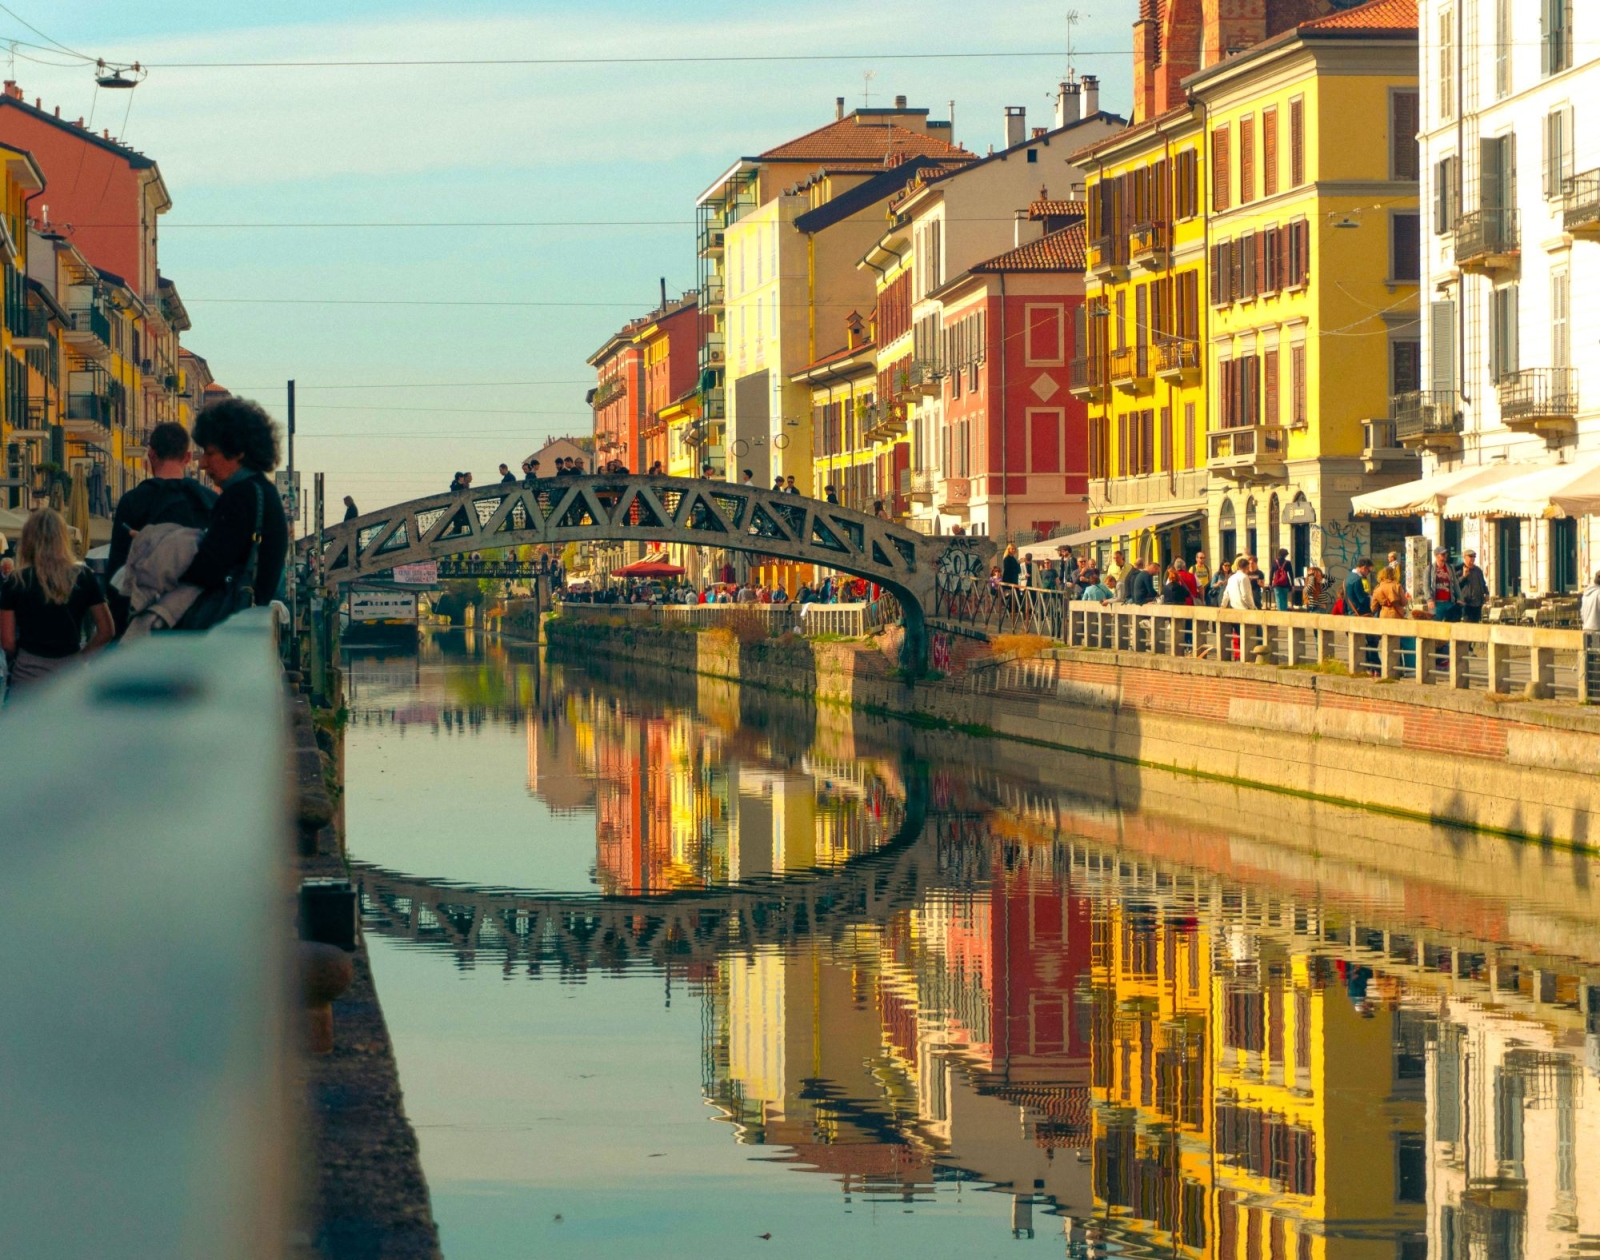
{"x":1492,"y":763}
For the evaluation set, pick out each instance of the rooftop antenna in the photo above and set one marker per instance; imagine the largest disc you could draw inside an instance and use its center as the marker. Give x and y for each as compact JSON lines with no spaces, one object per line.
{"x":1073,"y":18}
{"x":866,"y":87}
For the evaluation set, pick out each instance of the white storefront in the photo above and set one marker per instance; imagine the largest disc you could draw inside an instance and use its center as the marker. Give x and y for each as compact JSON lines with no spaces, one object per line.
{"x":1510,"y":370}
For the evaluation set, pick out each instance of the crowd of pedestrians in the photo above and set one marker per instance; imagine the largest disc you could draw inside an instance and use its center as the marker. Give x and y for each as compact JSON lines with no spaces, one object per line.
{"x":182,"y":555}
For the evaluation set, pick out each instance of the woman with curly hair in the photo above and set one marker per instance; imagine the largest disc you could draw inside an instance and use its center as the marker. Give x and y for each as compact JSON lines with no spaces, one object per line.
{"x":44,"y":603}
{"x":238,"y":445}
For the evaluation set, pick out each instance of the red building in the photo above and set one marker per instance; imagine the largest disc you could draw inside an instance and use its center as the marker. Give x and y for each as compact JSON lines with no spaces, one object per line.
{"x":108,"y":194}
{"x":641,"y":371}
{"x":671,"y":345}
{"x":1013,"y":451}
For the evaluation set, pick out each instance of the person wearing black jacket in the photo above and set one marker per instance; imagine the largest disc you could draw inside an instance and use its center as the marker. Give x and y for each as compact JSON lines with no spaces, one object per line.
{"x":238,"y":446}
{"x":167,"y":496}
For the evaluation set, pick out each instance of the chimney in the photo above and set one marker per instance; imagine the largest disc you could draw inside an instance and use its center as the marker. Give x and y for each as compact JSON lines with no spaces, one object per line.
{"x":1069,"y":105}
{"x":1016,"y":124}
{"x":1016,"y":228}
{"x":838,"y":108}
{"x":899,"y":102}
{"x":1091,"y":95}
{"x":663,"y":293}
{"x":1039,"y":133}
{"x":12,"y":90}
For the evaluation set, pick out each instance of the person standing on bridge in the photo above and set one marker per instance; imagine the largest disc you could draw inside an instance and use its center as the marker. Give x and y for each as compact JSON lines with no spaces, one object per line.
{"x":44,"y":603}
{"x":247,"y":543}
{"x":351,"y":511}
{"x":507,"y":477}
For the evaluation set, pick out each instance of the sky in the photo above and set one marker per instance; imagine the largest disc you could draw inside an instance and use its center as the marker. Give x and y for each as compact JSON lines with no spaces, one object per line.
{"x":420,"y":350}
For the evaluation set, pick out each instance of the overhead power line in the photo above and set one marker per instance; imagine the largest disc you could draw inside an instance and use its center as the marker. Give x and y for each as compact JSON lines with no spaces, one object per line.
{"x":301,"y":385}
{"x":693,"y":59}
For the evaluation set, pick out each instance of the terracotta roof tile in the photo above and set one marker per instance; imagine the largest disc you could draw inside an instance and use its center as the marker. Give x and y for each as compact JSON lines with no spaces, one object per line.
{"x":850,"y":140}
{"x":1059,"y":251}
{"x":1051,"y":208}
{"x":1376,"y":15}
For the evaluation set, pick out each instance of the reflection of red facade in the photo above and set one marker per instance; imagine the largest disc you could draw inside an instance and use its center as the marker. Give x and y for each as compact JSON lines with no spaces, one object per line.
{"x":1039,"y":950}
{"x":634,"y":826}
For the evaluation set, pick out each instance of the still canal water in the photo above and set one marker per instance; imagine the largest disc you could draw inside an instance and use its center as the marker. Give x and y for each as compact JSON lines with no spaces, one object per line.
{"x":675,"y":969}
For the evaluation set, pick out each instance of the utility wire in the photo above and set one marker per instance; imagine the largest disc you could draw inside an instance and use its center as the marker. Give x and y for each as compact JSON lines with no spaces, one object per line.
{"x":698,"y":59}
{"x":300,"y":385}
{"x":12,"y":13}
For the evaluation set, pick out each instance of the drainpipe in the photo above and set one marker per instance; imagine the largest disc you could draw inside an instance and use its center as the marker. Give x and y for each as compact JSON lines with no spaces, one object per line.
{"x":811,"y":298}
{"x":1005,"y":453}
{"x":1461,"y":166}
{"x":1204,"y":157}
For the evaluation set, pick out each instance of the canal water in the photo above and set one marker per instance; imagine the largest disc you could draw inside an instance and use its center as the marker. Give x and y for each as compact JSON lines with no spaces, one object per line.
{"x":675,"y":968}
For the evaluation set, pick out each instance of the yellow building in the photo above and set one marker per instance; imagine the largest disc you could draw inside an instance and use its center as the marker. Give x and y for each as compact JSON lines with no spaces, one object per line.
{"x":1137,"y":361}
{"x":1313,"y":238}
{"x":25,"y":338}
{"x":843,"y":388}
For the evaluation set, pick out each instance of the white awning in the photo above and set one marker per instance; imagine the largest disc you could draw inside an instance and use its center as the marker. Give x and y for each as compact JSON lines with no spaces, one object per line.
{"x":1427,"y":496}
{"x":1121,"y":529}
{"x":1553,"y":490}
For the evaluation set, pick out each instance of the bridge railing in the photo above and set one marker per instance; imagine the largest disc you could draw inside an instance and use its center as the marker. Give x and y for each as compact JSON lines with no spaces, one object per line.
{"x":1560,"y":664}
{"x":144,"y":912}
{"x":851,"y":621}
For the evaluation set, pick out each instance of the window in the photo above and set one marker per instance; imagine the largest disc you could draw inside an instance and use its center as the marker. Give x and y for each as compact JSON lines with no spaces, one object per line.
{"x":1221,"y":266}
{"x":1271,"y":281}
{"x":1557,"y":150}
{"x":1247,"y":279}
{"x":1220,"y":168}
{"x":1564,"y":555}
{"x":1186,"y":304}
{"x":1297,"y":143}
{"x":1403,"y":123}
{"x":1555,"y":30}
{"x":1189,"y":435}
{"x":1147,"y":441}
{"x":1405,"y":365}
{"x":1185,"y":185}
{"x":1269,"y":371}
{"x":1560,"y":319}
{"x":1446,"y":195}
{"x":1411,"y":1168}
{"x":1297,"y":246}
{"x":1447,"y":66}
{"x":1405,"y":247}
{"x":1297,"y":386}
{"x":1503,"y":331}
{"x":1044,"y":439}
{"x":1033,"y":155}
{"x":1269,"y":151}
{"x":1442,"y":346}
{"x":1502,"y":48}
{"x":1166,"y":439}
{"x":1247,"y":160}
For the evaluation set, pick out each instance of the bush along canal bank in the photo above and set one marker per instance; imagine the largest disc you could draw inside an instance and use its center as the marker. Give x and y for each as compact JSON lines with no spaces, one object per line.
{"x":362,"y":1191}
{"x":1520,"y":768}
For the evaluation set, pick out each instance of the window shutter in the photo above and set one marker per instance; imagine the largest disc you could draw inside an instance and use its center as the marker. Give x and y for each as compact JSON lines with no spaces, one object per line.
{"x":1440,"y":201}
{"x":1269,"y":152}
{"x":1247,"y":160}
{"x":1269,"y":372}
{"x":1236,"y":270}
{"x":1297,"y":143}
{"x":1513,"y":349}
{"x":1442,"y":346}
{"x":1403,"y":135}
{"x":1220,"y":168}
{"x":1284,"y":277}
{"x":1298,"y":363}
{"x":1259,"y":240}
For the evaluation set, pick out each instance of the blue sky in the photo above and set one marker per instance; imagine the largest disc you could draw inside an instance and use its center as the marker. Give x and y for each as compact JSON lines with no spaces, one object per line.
{"x":486,"y":144}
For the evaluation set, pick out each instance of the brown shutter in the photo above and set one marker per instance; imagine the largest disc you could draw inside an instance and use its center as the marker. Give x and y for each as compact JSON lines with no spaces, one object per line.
{"x":1269,"y":372}
{"x":1236,"y":270}
{"x":1297,"y":143}
{"x":1220,"y":168}
{"x":1269,"y":151}
{"x":1403,"y":135}
{"x":1247,"y":160}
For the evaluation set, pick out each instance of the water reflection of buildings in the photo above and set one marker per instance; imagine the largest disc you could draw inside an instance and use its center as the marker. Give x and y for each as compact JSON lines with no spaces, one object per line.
{"x":684,"y":803}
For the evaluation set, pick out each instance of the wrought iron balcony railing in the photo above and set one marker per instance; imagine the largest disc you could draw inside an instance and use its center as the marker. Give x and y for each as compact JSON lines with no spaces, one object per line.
{"x":1487,"y":239}
{"x":1538,"y":395}
{"x":1421,"y":415}
{"x":1580,"y":204}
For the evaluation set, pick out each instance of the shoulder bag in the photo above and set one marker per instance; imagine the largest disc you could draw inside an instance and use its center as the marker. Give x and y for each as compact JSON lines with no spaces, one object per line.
{"x":238,"y":592}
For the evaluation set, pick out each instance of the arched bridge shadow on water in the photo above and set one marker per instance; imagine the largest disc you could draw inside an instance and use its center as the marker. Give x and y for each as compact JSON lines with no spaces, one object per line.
{"x":556,"y":511}
{"x":582,"y":932}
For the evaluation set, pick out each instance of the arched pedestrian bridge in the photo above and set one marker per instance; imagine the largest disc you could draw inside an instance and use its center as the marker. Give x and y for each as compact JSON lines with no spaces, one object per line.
{"x":558,"y":510}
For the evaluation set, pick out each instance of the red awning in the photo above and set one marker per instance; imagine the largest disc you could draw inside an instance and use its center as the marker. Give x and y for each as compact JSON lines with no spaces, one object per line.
{"x":649,"y":569}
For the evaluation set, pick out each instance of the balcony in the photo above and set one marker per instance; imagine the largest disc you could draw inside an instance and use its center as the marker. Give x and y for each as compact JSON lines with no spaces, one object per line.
{"x":713,"y":405}
{"x":955,"y":492}
{"x":1088,"y":378}
{"x":922,"y":377}
{"x":1245,"y":453}
{"x":1380,"y":447}
{"x":712,"y":239}
{"x":1108,"y":258}
{"x":1580,"y":205}
{"x":712,"y":352}
{"x":880,"y":422}
{"x":922,"y":486}
{"x":609,"y":392}
{"x":1149,"y":244}
{"x":1177,"y":359}
{"x":88,"y":332}
{"x":1427,"y":420}
{"x":711,"y":294}
{"x":32,"y":331}
{"x":1130,"y":369}
{"x":89,"y":416}
{"x":1487,"y":240}
{"x":1539,"y":399}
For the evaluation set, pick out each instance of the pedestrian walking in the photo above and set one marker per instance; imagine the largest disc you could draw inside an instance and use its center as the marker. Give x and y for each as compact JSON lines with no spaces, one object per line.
{"x":1010,"y":566}
{"x":1282,"y":580}
{"x":1201,"y":568}
{"x":507,"y":477}
{"x":1472,"y":591}
{"x":1318,"y":595}
{"x":1190,"y":582}
{"x":45,"y":600}
{"x":829,"y":494}
{"x":167,"y":495}
{"x":351,"y":511}
{"x":1589,"y":605}
{"x":1240,"y":591}
{"x":1357,"y":603}
{"x":1393,"y":602}
{"x":1445,"y":592}
{"x":241,"y":558}
{"x":1175,"y":591}
{"x":747,"y":477}
{"x":1139,"y":584}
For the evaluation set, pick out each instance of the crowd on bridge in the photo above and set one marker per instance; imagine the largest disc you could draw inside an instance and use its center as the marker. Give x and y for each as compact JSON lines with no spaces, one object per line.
{"x":833,"y":589}
{"x":183,"y":555}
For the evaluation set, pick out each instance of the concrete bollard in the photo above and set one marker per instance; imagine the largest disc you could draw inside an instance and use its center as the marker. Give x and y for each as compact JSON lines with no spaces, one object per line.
{"x":325,"y":972}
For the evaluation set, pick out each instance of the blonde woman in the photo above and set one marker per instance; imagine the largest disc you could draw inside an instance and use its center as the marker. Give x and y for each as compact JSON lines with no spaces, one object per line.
{"x":44,"y":603}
